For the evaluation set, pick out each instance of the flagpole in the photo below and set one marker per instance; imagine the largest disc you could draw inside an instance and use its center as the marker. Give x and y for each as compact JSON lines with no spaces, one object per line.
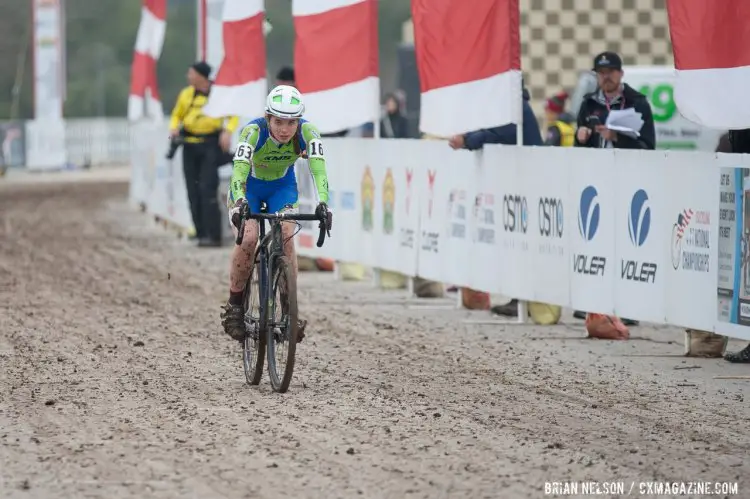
{"x":523,"y":306}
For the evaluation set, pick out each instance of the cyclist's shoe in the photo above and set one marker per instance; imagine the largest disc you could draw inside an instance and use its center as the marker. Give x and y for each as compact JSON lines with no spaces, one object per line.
{"x":233,"y":320}
{"x":301,"y":325}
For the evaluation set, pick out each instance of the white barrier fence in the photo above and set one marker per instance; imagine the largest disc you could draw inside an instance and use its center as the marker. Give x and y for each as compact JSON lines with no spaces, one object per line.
{"x":654,"y":236}
{"x":69,"y":143}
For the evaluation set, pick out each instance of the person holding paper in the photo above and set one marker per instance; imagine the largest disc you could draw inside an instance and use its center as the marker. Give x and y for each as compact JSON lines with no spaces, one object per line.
{"x":615,"y":115}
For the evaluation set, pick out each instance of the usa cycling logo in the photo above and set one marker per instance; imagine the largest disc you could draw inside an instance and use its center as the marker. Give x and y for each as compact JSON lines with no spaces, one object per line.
{"x":639,"y":221}
{"x":588,"y":213}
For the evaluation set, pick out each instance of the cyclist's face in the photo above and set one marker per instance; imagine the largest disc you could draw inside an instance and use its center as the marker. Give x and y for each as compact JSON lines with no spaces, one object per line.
{"x":283,"y":129}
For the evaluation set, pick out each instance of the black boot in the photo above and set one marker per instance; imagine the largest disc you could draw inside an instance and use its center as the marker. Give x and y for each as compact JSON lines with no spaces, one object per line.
{"x":742,"y":357}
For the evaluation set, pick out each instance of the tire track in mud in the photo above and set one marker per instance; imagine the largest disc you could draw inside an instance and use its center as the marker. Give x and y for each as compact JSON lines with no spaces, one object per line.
{"x":119,"y":383}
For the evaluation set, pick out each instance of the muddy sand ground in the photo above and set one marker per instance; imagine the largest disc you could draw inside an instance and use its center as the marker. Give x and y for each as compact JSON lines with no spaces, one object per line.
{"x":116,"y":381}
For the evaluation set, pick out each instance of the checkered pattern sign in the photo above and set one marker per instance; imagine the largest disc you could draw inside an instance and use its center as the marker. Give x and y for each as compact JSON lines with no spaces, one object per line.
{"x":559,"y":39}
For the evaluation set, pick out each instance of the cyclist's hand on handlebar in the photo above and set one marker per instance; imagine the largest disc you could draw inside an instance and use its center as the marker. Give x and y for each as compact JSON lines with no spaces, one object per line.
{"x":325,"y":215}
{"x":236,"y":212}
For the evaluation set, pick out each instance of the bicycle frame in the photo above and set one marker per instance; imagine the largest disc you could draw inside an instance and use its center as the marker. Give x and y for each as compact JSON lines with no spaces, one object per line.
{"x":270,"y":248}
{"x":263,"y":254}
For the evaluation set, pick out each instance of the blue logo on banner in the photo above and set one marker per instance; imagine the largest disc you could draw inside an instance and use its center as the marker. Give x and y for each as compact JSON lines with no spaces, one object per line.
{"x":588,"y":213}
{"x":639,"y":221}
{"x":348,"y":200}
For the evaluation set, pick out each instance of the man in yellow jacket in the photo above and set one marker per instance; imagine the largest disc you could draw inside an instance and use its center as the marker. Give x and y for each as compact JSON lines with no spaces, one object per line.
{"x":206,"y":141}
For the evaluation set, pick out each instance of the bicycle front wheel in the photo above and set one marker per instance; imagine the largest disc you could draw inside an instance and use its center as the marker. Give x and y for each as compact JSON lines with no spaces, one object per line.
{"x":255,"y":324}
{"x":282,"y":326}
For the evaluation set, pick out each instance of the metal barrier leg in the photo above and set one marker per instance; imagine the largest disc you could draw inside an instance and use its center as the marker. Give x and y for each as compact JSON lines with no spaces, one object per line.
{"x":523,"y":311}
{"x":376,"y":278}
{"x":336,"y":271}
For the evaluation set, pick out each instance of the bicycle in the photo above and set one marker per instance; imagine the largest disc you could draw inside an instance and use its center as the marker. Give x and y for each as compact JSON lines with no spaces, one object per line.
{"x":261,"y":334}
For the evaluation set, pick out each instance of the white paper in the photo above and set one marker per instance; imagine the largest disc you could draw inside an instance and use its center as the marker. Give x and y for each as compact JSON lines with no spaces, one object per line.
{"x":625,"y":121}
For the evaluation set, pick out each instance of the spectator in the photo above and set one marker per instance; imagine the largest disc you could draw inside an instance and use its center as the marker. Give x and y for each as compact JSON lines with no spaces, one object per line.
{"x":393,"y":125}
{"x":206,"y":143}
{"x":285,"y":76}
{"x":612,"y":94}
{"x":505,"y":134}
{"x":560,"y":131}
{"x":739,"y":141}
{"x":724,"y":145}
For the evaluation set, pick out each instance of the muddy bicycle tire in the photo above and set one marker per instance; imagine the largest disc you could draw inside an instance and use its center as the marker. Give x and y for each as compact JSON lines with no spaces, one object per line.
{"x":254,"y":345}
{"x":276,"y":338}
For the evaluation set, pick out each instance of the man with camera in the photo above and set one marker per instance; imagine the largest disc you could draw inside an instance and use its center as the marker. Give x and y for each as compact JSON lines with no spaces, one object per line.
{"x":206,"y":143}
{"x":612,"y":94}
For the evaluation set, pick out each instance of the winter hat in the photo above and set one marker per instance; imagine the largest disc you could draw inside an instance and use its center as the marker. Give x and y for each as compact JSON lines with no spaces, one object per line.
{"x":556,"y":103}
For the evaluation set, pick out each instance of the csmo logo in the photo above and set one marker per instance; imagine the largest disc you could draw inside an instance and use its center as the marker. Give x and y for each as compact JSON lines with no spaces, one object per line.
{"x":639,"y":221}
{"x":551,"y":217}
{"x":588,"y":213}
{"x":515,"y":213}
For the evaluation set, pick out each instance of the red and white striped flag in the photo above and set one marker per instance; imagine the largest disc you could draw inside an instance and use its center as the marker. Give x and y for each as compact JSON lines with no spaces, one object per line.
{"x":144,"y":89}
{"x":336,"y":61}
{"x":240,"y":84}
{"x":711,"y":44}
{"x":469,"y":64}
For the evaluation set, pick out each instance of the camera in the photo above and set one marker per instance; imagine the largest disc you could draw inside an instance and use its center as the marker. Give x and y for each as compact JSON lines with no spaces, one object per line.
{"x":593,"y":121}
{"x":175,"y":143}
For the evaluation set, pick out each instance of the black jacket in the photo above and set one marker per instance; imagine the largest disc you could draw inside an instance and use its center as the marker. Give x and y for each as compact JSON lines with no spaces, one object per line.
{"x":506,"y":134}
{"x":593,"y":105}
{"x":740,"y":141}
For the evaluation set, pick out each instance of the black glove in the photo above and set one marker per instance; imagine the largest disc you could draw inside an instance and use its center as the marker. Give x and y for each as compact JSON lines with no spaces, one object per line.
{"x":324,"y":215}
{"x":238,"y":211}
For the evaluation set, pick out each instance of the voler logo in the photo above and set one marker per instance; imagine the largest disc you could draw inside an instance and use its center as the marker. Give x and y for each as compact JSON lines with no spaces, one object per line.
{"x":639,"y":221}
{"x":551,"y":217}
{"x":639,"y":224}
{"x":588,"y":224}
{"x":515,"y":213}
{"x":588,"y":213}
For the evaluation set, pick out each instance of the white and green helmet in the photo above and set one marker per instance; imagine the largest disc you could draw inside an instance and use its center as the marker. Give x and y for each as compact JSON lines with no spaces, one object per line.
{"x":285,"y":101}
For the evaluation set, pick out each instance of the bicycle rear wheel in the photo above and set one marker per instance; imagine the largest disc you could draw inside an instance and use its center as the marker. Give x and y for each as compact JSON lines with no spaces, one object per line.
{"x":282,"y":326}
{"x":254,"y":346}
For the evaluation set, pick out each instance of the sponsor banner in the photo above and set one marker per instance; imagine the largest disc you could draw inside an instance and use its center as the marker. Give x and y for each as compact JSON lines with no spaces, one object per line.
{"x":515,"y":191}
{"x":434,"y":184}
{"x":694,"y":218}
{"x":399,"y":200}
{"x":592,"y":261}
{"x":634,"y":233}
{"x":547,"y":176}
{"x":733,"y":274}
{"x":641,"y":220}
{"x":455,"y":193}
{"x":488,"y":233}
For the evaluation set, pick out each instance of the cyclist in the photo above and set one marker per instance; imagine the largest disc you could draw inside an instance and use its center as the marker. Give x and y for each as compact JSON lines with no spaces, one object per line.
{"x":263,"y":172}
